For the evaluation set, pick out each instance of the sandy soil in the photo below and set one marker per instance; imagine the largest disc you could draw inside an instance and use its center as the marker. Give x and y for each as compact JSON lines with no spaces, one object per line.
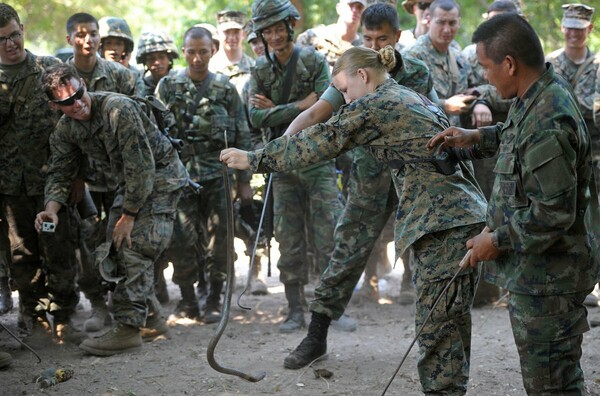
{"x":362,"y":362}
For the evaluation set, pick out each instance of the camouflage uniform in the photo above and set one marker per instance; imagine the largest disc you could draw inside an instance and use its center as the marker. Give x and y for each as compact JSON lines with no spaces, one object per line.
{"x":238,"y":73}
{"x":43,"y":266}
{"x":597,"y":101}
{"x":328,"y":41}
{"x":152,"y":42}
{"x":305,"y":201}
{"x":396,"y":123}
{"x":149,"y":176}
{"x":537,"y":212}
{"x":200,"y":231}
{"x":371,"y":201}
{"x":447,"y":80}
{"x":100,"y":180}
{"x":583,"y":90}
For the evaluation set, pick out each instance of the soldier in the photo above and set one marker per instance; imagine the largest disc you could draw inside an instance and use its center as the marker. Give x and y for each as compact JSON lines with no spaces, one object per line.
{"x":305,"y":201}
{"x":116,"y":45}
{"x":230,"y":59}
{"x":333,"y":40}
{"x":209,"y":117}
{"x":417,"y":9}
{"x":99,"y":75}
{"x":42,"y":267}
{"x":256,"y":44}
{"x":577,"y":64}
{"x":371,"y":199}
{"x":452,"y":75}
{"x":117,"y":129}
{"x":436,"y":212}
{"x":156,"y":51}
{"x":536,"y":244}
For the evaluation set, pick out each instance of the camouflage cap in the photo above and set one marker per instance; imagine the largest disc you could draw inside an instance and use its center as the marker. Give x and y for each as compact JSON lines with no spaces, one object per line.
{"x":251,"y":36}
{"x":577,"y":16}
{"x":106,"y":266}
{"x":156,"y":41}
{"x":266,"y":13}
{"x":116,"y":27}
{"x":227,"y":19}
{"x":409,"y":4}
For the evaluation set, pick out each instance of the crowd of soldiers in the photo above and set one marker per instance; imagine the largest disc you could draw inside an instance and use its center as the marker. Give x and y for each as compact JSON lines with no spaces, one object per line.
{"x":109,"y":172}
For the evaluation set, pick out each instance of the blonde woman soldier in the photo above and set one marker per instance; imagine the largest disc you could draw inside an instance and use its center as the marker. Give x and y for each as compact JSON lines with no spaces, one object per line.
{"x":440,"y":204}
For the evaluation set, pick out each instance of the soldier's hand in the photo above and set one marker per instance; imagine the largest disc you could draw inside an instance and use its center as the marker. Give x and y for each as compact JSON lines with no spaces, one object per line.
{"x":235,"y":158}
{"x":454,"y":137}
{"x":482,"y":248}
{"x":261,"y":102}
{"x":122,"y":231}
{"x":458,"y":104}
{"x":310,"y":100}
{"x":45,"y":217}
{"x":482,"y":115}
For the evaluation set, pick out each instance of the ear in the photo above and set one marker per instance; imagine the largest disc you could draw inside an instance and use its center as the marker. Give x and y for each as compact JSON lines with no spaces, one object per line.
{"x":511,"y":65}
{"x":398,"y":34}
{"x":68,"y":36}
{"x":364,"y":76}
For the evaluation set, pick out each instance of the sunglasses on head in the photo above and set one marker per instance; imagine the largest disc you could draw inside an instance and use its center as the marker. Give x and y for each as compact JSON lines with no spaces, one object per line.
{"x":71,"y":99}
{"x":423,"y":5}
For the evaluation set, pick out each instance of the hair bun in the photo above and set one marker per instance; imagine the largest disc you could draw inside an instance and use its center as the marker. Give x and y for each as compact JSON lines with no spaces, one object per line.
{"x":387,"y":57}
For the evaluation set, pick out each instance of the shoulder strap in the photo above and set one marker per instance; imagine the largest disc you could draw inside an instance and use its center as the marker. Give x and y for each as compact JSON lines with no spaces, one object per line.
{"x":202,"y":89}
{"x":289,"y":75}
{"x":581,"y":69}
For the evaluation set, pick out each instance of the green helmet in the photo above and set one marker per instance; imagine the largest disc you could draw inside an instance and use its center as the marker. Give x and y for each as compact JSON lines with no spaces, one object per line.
{"x":157,"y":41}
{"x":116,"y":27}
{"x":268,"y":12}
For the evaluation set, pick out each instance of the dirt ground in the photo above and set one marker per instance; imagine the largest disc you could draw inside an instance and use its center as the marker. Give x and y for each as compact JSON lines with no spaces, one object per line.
{"x":362,"y":362}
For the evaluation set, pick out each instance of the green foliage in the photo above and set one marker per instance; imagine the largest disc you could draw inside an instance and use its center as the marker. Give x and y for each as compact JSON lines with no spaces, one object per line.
{"x":45,"y":20}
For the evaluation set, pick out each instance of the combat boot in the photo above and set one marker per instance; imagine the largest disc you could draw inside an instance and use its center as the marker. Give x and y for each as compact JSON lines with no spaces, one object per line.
{"x":120,"y":339}
{"x":188,"y":306}
{"x":258,"y":287}
{"x":295,"y":318}
{"x":156,"y":327}
{"x":35,"y":331}
{"x":5,"y":360}
{"x":212,"y":314}
{"x":407,"y":296}
{"x":6,"y":301}
{"x":345,"y":323}
{"x":313,"y":346}
{"x":99,"y":317}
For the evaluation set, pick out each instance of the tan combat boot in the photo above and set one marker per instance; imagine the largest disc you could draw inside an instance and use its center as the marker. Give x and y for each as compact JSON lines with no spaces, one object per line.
{"x":120,"y":339}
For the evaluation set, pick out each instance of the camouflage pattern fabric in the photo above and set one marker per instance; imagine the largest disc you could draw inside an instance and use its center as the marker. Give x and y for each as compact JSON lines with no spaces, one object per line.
{"x":537,"y":209}
{"x":312,"y":75}
{"x":24,"y":155}
{"x":305,"y":201}
{"x":371,"y":200}
{"x":327,"y":40}
{"x":395,"y":123}
{"x":584,"y":93}
{"x":445,"y":343}
{"x":597,"y":100}
{"x":150,"y":85}
{"x":446,"y":84}
{"x":392,"y":123}
{"x":550,"y":350}
{"x":148,"y":172}
{"x":539,"y":197}
{"x":201,"y":218}
{"x":238,"y":73}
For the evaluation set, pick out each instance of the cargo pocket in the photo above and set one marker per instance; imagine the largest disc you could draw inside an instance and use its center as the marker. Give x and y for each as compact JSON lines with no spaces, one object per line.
{"x":550,"y":168}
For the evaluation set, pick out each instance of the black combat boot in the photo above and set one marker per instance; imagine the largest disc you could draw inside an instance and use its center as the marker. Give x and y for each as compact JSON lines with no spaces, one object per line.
{"x":313,"y":346}
{"x":6,"y":302}
{"x":212,"y":314}
{"x":188,"y":306}
{"x":295,"y":319}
